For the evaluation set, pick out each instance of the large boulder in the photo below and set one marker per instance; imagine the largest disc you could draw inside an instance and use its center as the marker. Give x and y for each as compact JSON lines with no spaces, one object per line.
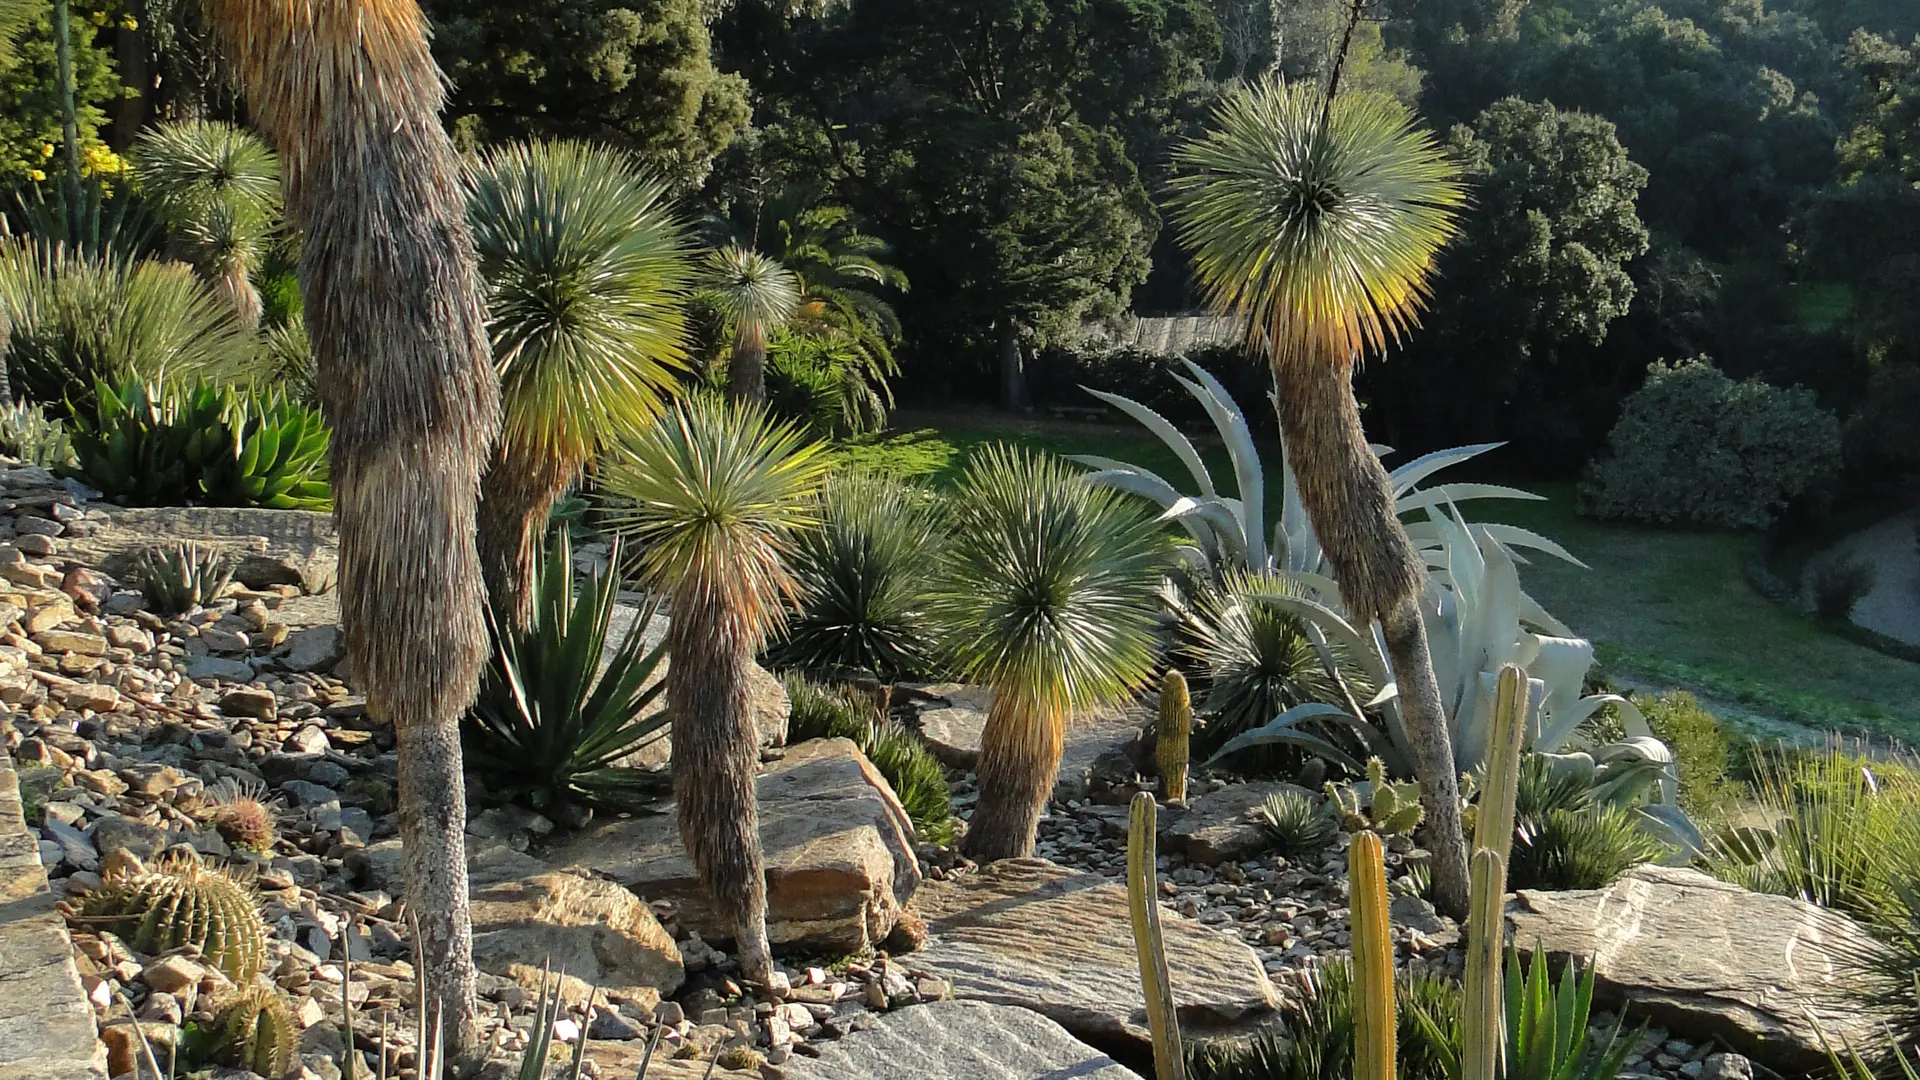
{"x":1026,"y":932}
{"x":270,"y":547}
{"x":838,"y":846}
{"x":597,"y":933}
{"x":1223,"y":826}
{"x":960,"y":1040}
{"x":1765,"y":974}
{"x":767,"y":697}
{"x":954,"y":716}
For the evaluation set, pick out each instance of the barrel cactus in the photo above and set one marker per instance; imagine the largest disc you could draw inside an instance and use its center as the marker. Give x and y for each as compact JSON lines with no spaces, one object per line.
{"x":182,"y":902}
{"x":1174,"y":734}
{"x":258,"y":1032}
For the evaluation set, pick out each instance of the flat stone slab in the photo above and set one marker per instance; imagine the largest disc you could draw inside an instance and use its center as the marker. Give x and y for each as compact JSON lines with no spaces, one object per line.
{"x":270,"y":547}
{"x":1763,"y":973}
{"x":1223,"y":826}
{"x":952,"y":725}
{"x":46,"y":1025}
{"x":839,"y":852}
{"x":959,"y":1040}
{"x":1029,"y":933}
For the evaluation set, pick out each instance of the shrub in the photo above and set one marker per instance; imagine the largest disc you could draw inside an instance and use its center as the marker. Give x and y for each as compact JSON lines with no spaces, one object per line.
{"x":818,"y":712}
{"x":1700,"y":750}
{"x":827,"y":382}
{"x":75,"y":320}
{"x":862,"y":575}
{"x":1694,"y":447}
{"x":1839,"y":585}
{"x":1315,"y":1040}
{"x":1297,"y":822}
{"x":27,"y":433}
{"x":208,"y":445}
{"x":551,"y":726}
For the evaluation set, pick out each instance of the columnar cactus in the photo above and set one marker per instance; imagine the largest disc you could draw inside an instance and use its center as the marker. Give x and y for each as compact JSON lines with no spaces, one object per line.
{"x":1169,"y":1059}
{"x":1374,"y":1022}
{"x":1175,"y":730}
{"x":181,"y":902}
{"x":1481,"y":1036}
{"x":258,"y":1032}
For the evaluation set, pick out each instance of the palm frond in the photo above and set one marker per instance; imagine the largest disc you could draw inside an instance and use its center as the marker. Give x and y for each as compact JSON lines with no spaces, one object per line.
{"x":1048,"y":591}
{"x":1321,"y":234}
{"x":712,"y":494}
{"x":587,"y":271}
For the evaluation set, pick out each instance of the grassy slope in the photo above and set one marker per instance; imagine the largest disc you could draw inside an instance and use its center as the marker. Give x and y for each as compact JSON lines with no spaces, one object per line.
{"x":1666,"y":608}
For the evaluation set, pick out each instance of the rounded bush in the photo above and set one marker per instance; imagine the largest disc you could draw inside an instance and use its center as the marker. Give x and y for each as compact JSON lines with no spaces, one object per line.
{"x":1694,"y":447}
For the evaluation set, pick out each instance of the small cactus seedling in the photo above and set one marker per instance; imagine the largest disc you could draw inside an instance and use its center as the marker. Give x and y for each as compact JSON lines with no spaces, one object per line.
{"x":182,"y":902}
{"x":258,"y":1032}
{"x":243,"y":819}
{"x":1392,"y":808}
{"x":1175,"y":732}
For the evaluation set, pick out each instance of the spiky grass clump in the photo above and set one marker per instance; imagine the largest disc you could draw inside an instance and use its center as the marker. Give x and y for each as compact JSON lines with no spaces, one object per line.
{"x":862,"y":578}
{"x":917,"y":777}
{"x":258,"y":1031}
{"x":1298,"y":822}
{"x":182,"y":902}
{"x":1314,"y":1041}
{"x":1563,"y":840}
{"x":1048,"y":596}
{"x":180,"y":578}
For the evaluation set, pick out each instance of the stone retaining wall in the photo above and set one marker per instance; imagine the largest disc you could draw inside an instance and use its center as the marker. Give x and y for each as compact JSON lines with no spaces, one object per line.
{"x":46,"y":1025}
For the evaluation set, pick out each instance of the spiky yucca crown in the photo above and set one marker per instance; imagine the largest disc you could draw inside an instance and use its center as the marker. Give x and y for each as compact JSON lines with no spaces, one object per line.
{"x":258,"y":1031}
{"x":182,"y":902}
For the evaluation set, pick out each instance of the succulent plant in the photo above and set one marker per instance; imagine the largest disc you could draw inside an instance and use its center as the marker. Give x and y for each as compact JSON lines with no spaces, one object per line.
{"x":34,"y":437}
{"x":1297,"y":822}
{"x":1392,"y":807}
{"x":177,"y":579}
{"x":275,"y":456}
{"x":258,"y":1031}
{"x":1174,"y":735}
{"x":243,"y":819}
{"x":180,"y":901}
{"x":1143,"y":905}
{"x":1375,"y":1022}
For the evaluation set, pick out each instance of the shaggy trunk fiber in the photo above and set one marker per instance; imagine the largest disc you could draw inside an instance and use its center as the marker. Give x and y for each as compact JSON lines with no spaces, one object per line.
{"x":747,"y":373}
{"x":1020,"y":752}
{"x":349,"y":92}
{"x":1350,"y":501}
{"x":519,"y":489}
{"x":715,"y":756}
{"x":233,"y":283}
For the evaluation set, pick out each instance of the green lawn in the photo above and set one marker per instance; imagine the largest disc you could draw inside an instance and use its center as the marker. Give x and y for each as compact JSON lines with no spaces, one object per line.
{"x":1665,"y":608}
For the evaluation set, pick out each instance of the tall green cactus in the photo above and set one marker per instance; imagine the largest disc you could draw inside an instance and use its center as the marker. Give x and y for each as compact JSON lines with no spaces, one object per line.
{"x":1175,"y":730}
{"x":1480,"y":1023}
{"x":1374,"y":1022}
{"x":1169,"y":1059}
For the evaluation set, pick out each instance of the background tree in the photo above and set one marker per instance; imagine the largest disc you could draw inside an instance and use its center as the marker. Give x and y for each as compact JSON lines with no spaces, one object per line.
{"x":637,"y":74}
{"x":1529,"y":292}
{"x":1046,"y":595}
{"x":349,"y":92}
{"x":587,"y":272}
{"x":756,"y":296}
{"x":715,"y":492}
{"x":31,"y":112}
{"x":1319,"y":223}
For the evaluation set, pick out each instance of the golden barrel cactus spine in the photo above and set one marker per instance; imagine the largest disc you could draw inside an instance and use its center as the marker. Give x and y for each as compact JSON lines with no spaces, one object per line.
{"x":1175,"y":732}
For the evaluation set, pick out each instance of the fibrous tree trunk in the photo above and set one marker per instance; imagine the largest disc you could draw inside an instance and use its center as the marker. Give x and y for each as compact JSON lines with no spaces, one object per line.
{"x":1020,"y":750}
{"x":715,"y":757}
{"x":349,"y":93}
{"x":747,"y":372}
{"x":519,"y":490}
{"x":1349,"y":499}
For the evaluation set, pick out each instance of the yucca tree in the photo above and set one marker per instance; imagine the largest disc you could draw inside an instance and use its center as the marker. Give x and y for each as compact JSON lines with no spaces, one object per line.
{"x":348,"y":92}
{"x":712,"y":495}
{"x":1318,"y":224}
{"x":756,"y":296}
{"x":1047,"y":595}
{"x":217,"y":188}
{"x":587,"y":272}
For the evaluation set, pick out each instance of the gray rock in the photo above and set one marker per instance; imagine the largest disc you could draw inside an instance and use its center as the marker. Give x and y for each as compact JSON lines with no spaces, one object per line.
{"x":221,"y":669}
{"x":308,"y":740}
{"x":959,"y":1040}
{"x":75,"y":849}
{"x":839,"y":853}
{"x":1222,"y":826}
{"x":115,"y":833}
{"x":1764,"y":974}
{"x":307,"y":793}
{"x":597,"y":933}
{"x":315,"y":648}
{"x":271,"y":547}
{"x":608,"y":1024}
{"x":382,"y":865}
{"x":1726,"y":1067}
{"x":1029,"y":933}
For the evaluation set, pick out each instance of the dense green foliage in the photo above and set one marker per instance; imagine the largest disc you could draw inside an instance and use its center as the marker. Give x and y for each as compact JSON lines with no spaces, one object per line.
{"x":1700,"y":749}
{"x":1695,"y":447}
{"x":30,"y":105}
{"x":1314,"y":1040}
